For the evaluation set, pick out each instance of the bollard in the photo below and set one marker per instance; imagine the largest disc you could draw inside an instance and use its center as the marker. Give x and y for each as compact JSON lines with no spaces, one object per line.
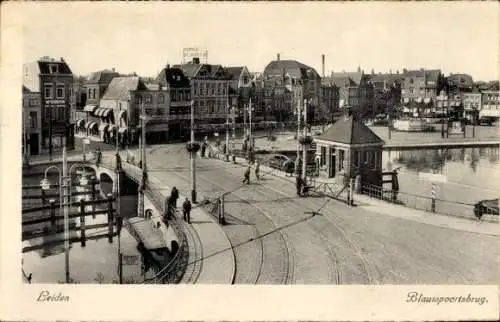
{"x":433,"y":196}
{"x":110,"y":217}
{"x":53,"y":215}
{"x":234,"y":158}
{"x":82,"y":223}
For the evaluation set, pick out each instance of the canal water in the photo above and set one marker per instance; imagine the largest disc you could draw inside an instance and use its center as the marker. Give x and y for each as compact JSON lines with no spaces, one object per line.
{"x":97,"y":262}
{"x":472,"y":174}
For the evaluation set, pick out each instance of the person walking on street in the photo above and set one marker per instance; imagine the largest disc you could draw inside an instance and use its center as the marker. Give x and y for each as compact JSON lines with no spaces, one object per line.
{"x":98,"y":155}
{"x":186,"y":208}
{"x":298,"y":186}
{"x":174,"y":195}
{"x":257,"y":169}
{"x":246,"y":178}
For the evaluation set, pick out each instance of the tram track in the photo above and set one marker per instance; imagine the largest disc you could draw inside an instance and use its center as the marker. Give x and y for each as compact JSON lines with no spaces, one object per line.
{"x":270,"y":245}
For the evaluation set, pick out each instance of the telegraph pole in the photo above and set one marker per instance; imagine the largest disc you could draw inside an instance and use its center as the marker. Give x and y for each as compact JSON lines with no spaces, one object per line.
{"x":250,"y":121}
{"x":304,"y":147}
{"x":193,"y":156}
{"x":234,"y":129}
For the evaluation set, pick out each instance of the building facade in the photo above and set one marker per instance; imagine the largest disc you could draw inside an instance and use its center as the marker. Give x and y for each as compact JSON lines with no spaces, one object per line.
{"x":490,"y":106}
{"x":355,"y":92}
{"x":471,"y":103}
{"x":32,"y":122}
{"x":386,"y":92}
{"x":241,"y":89}
{"x":90,"y":117}
{"x":53,"y":79}
{"x":209,"y":92}
{"x":294,"y":82}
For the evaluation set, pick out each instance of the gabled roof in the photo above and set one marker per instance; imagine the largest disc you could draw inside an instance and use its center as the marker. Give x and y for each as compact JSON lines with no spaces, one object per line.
{"x":389,"y":78}
{"x":188,"y":69}
{"x":103,"y":76}
{"x":430,"y":74}
{"x":173,"y":77}
{"x":235,"y":72}
{"x":120,"y":87}
{"x":292,"y":67}
{"x":348,"y":131}
{"x":345,"y":78}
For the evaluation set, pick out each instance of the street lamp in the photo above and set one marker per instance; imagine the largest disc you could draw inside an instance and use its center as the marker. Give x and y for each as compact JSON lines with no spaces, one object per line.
{"x":64,"y":195}
{"x":193,"y":148}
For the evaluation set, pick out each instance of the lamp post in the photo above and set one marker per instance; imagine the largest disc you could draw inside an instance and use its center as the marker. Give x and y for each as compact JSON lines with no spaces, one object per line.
{"x":474,"y":111}
{"x":250,"y":121}
{"x":118,"y":199}
{"x":192,"y":158}
{"x":64,"y":195}
{"x":234,"y":132}
{"x":227,"y":133}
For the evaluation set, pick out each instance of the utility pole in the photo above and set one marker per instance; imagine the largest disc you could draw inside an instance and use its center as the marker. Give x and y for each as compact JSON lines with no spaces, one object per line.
{"x":299,"y":111}
{"x":227,"y":133}
{"x":142,"y":145}
{"x":234,"y":129}
{"x":50,"y":132}
{"x":118,"y":212}
{"x":304,"y":147}
{"x":193,"y":157}
{"x":250,"y":121}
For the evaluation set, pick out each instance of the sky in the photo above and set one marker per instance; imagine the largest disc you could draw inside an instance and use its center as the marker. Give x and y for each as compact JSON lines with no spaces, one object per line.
{"x":143,"y":37}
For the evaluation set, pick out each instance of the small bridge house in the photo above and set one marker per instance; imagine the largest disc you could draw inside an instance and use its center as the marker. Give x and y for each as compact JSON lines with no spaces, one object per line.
{"x":349,"y":148}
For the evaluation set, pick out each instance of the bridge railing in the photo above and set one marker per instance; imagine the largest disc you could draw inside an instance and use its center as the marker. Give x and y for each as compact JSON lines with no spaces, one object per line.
{"x":173,"y":272}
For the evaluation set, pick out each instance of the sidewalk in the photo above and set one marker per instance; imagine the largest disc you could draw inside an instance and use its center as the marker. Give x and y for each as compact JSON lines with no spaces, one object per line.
{"x":380,"y":207}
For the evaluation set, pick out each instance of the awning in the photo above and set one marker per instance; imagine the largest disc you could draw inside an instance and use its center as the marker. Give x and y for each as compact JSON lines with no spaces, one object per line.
{"x":90,"y":125}
{"x":419,"y":100}
{"x":106,"y":112}
{"x":98,"y":111}
{"x":122,"y":114}
{"x":122,"y":129}
{"x":489,"y":113}
{"x":80,"y":122}
{"x":90,"y":108}
{"x":103,"y":127}
{"x":111,"y":128}
{"x":427,"y":100}
{"x":406,"y":99}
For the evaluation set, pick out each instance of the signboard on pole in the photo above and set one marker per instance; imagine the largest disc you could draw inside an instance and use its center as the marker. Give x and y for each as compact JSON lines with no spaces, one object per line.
{"x":86,"y":141}
{"x":433,"y":177}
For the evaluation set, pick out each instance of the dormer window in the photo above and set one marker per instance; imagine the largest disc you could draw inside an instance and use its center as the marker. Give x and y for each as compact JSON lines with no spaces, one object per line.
{"x":53,"y":68}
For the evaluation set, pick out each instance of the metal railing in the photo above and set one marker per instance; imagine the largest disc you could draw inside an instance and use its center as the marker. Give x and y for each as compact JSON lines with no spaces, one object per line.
{"x":441,"y":206}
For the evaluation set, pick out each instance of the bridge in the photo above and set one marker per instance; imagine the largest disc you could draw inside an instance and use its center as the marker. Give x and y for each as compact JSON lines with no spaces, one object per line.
{"x":129,"y":177}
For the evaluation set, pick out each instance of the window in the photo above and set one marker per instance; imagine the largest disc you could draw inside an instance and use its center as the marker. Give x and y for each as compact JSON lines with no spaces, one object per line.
{"x":411,"y":90}
{"x":33,"y":102}
{"x":48,"y":91}
{"x":89,"y":95}
{"x":60,"y":91}
{"x":93,"y":93}
{"x":60,"y":113}
{"x":148,"y":99}
{"x":137,"y":99}
{"x":323,"y":156}
{"x":161,"y":99}
{"x":53,"y":68}
{"x":33,"y":120}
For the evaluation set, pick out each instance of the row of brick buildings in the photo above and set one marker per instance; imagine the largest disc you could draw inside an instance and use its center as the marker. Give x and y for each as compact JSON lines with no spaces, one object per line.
{"x":106,"y":105}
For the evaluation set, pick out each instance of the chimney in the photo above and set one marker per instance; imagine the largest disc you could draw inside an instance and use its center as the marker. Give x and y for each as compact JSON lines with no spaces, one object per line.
{"x":323,"y":65}
{"x":113,"y":69}
{"x":196,"y":60}
{"x":278,"y":57}
{"x":359,"y":69}
{"x":168,"y":66}
{"x":405,"y":70}
{"x":373,"y":72}
{"x":62,"y":59}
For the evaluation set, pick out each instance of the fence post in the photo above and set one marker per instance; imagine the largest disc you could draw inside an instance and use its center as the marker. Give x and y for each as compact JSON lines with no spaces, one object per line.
{"x":350,"y":193}
{"x":433,"y":196}
{"x":53,"y":215}
{"x":93,"y":184}
{"x":82,"y":223}
{"x":110,"y":217}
